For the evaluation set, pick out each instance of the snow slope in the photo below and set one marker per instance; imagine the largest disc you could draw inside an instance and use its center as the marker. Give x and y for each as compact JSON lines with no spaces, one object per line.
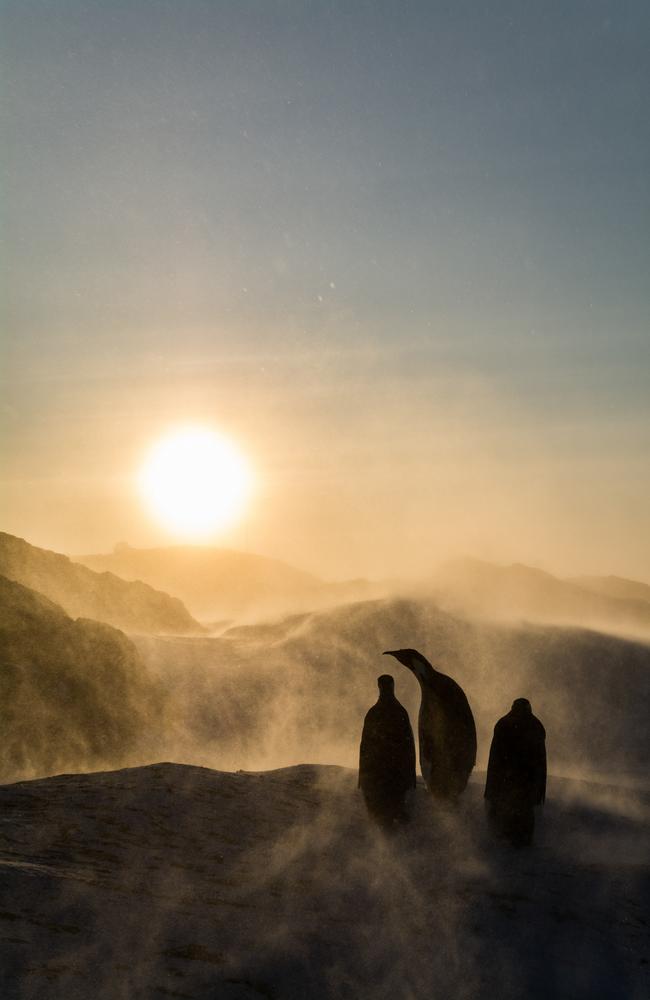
{"x":179,"y":881}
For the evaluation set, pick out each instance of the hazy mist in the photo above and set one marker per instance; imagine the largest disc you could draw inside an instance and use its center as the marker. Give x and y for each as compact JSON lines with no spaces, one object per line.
{"x":400,"y":260}
{"x":396,"y":256}
{"x":358,"y":471}
{"x":296,"y":689}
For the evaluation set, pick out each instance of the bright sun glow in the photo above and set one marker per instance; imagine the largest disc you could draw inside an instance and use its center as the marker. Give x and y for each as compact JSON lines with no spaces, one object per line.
{"x":195,"y":482}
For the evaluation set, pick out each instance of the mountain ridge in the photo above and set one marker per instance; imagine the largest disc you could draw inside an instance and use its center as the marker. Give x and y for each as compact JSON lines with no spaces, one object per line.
{"x":216,"y":583}
{"x":302,"y":685}
{"x":129,"y":605}
{"x":74,"y":692}
{"x":239,"y":587}
{"x":513,"y":591}
{"x":615,"y":586}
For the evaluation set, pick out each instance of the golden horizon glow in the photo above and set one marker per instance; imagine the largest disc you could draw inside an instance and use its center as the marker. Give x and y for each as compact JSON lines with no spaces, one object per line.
{"x":195,"y":482}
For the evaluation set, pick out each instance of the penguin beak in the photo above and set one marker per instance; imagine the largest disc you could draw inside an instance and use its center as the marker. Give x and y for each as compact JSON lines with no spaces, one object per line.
{"x":397,"y":653}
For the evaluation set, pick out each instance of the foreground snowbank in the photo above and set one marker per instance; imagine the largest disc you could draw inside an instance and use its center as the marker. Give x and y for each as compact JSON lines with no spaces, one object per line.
{"x":177,"y":881}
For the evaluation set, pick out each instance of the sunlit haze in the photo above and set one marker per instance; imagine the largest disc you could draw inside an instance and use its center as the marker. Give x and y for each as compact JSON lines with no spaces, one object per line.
{"x":325,"y":335}
{"x":398,"y":254}
{"x":195,"y":482}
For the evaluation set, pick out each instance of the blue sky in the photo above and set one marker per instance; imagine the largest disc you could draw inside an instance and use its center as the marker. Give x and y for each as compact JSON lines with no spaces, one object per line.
{"x":411,"y":239}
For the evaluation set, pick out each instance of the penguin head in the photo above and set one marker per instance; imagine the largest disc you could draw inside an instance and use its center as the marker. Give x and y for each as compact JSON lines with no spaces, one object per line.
{"x":414,"y":661}
{"x":386,"y":685}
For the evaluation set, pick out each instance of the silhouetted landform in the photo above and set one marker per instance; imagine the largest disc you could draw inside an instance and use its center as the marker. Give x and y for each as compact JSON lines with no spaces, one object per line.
{"x":75,"y":694}
{"x":478,"y":588}
{"x":446,"y":728}
{"x":219,"y":583}
{"x":171,"y":881}
{"x":615,"y":586}
{"x":134,"y":607}
{"x":298,"y":690}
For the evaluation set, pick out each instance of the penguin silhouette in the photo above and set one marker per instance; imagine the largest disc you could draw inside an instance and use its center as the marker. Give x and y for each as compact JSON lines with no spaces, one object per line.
{"x":516,"y":774}
{"x":446,"y":729}
{"x":386,"y":756}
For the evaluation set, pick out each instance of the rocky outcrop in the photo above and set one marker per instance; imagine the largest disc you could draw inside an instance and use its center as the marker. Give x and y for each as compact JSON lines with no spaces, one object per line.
{"x":81,"y":592}
{"x":73,"y":694}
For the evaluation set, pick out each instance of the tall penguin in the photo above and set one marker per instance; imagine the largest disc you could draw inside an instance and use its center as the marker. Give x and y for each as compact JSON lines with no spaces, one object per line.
{"x":386,"y":757}
{"x":446,"y":730}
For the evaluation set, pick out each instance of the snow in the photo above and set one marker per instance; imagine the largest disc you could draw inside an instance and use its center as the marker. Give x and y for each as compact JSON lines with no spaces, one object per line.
{"x":179,"y":881}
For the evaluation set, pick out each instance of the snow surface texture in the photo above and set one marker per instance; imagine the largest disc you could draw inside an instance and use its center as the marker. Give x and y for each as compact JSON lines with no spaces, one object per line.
{"x":179,"y":881}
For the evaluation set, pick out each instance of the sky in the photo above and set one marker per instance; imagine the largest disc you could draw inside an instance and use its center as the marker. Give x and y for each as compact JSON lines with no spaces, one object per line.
{"x":399,"y":253}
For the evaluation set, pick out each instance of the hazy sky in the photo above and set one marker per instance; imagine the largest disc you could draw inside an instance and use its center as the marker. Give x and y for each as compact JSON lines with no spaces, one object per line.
{"x":400,"y":252}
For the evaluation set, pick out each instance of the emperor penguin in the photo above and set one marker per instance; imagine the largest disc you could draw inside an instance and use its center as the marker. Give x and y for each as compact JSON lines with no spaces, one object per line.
{"x":446,"y":729}
{"x":386,"y":757}
{"x":516,"y":773}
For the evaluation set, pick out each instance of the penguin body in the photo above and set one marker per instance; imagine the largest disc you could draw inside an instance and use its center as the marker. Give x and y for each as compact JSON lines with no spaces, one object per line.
{"x":516,"y":773}
{"x":446,"y":729}
{"x":386,"y":756}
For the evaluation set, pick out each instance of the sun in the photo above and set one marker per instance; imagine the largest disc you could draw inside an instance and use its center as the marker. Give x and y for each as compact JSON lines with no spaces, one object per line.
{"x":195,"y":482}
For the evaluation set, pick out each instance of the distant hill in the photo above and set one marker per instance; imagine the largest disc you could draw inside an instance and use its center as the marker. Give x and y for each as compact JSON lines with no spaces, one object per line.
{"x":74,"y":694}
{"x":81,"y":695}
{"x":220,"y":583}
{"x":81,"y":592}
{"x":269,"y":695}
{"x":615,"y":586}
{"x":517,"y":592}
